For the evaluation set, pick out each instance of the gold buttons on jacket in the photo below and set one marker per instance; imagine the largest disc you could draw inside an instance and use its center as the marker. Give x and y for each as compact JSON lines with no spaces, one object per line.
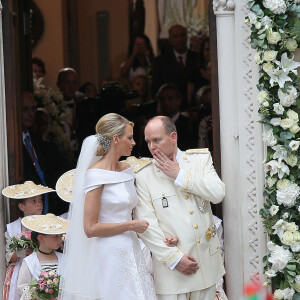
{"x":165,"y":262}
{"x":191,"y":212}
{"x":198,"y":241}
{"x":195,"y":226}
{"x":186,"y":197}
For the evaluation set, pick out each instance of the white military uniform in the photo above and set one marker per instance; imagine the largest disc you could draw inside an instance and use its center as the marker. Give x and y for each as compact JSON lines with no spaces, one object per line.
{"x":183,"y":211}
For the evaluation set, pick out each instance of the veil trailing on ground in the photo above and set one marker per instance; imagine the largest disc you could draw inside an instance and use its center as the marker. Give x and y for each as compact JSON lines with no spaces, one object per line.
{"x":80,"y":278}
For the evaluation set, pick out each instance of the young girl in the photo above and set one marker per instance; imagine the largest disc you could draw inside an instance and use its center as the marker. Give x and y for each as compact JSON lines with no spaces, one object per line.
{"x":29,"y":196}
{"x":47,"y":230}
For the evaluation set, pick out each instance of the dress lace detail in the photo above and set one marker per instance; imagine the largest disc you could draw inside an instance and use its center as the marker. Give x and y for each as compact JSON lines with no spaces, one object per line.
{"x":137,"y":283}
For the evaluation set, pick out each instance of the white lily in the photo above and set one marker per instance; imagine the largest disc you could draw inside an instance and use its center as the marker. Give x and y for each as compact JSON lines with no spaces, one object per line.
{"x":280,"y":153}
{"x":288,"y":64}
{"x":275,"y":167}
{"x":279,"y":76}
{"x":282,"y":169}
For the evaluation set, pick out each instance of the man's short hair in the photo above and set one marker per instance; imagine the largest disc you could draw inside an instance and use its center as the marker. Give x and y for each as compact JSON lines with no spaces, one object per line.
{"x":169,"y":86}
{"x":167,"y":122}
{"x":37,"y":61}
{"x":177,"y":25}
{"x":63,"y":71}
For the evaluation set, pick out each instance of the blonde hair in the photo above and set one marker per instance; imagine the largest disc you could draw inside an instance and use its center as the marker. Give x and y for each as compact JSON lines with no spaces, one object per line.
{"x":109,"y":125}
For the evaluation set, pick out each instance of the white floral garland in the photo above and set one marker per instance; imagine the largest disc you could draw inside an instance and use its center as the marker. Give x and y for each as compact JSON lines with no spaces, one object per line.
{"x":195,"y":23}
{"x":52,"y":102}
{"x":275,"y":34}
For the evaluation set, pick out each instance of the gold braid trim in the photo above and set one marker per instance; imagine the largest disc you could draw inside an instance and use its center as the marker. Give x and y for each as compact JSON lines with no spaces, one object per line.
{"x":187,"y":180}
{"x":138,"y":163}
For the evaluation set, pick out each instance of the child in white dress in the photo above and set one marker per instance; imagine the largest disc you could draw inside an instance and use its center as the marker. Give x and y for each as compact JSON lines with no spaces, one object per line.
{"x":47,"y":230}
{"x":29,"y":196}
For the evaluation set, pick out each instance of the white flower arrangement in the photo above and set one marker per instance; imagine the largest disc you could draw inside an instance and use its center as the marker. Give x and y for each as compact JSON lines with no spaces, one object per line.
{"x":276,"y":6}
{"x":51,"y":101}
{"x":195,"y":23}
{"x":279,"y":258}
{"x":275,"y":34}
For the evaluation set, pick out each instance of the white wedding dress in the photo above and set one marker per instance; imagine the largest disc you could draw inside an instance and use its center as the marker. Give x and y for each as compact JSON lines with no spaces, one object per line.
{"x":124,"y":275}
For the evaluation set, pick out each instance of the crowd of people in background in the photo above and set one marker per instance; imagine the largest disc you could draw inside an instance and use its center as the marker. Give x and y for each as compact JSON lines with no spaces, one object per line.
{"x":175,"y":83}
{"x":176,"y":87}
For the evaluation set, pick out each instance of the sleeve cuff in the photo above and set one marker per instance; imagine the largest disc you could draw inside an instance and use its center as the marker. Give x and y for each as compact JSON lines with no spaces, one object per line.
{"x":178,"y":180}
{"x":172,"y":257}
{"x":172,"y":267}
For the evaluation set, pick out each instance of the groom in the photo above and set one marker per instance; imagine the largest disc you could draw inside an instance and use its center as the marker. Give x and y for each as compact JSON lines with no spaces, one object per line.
{"x":175,"y":191}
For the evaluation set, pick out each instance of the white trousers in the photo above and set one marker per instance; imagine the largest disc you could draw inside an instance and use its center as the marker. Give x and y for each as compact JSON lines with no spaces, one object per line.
{"x":206,"y":294}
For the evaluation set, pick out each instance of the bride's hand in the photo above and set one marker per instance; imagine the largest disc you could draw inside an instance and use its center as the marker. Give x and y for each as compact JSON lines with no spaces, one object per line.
{"x":139,"y":226}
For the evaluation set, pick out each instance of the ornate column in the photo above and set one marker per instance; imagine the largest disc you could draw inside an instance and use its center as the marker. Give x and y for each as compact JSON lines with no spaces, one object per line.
{"x":241,"y":147}
{"x":3,"y":156}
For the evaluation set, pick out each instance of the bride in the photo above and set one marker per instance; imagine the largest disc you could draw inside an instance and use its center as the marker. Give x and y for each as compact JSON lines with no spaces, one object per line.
{"x":103,"y":258}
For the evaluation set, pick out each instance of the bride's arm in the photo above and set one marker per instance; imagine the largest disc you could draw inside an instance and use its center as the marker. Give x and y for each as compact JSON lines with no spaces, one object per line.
{"x":93,"y":228}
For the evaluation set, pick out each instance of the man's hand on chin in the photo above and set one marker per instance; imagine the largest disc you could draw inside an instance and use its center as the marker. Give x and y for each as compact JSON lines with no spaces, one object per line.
{"x":187,"y":265}
{"x":169,"y":166}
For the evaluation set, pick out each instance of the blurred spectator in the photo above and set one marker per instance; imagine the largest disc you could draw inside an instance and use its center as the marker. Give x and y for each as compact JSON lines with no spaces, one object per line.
{"x":203,"y":96}
{"x":105,"y":81}
{"x":205,"y":139}
{"x":140,"y":83}
{"x":140,"y":56}
{"x":39,"y":157}
{"x":67,"y":82}
{"x":175,"y":66}
{"x":112,"y":98}
{"x":170,"y":98}
{"x":202,"y":72}
{"x":196,"y":42}
{"x":88,"y":89}
{"x":41,"y":122}
{"x":201,"y":118}
{"x":38,"y":68}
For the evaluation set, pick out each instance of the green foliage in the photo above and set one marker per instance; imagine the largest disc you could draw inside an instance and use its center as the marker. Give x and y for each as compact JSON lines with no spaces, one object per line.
{"x":295,"y":30}
{"x":263,"y":38}
{"x":268,"y":222}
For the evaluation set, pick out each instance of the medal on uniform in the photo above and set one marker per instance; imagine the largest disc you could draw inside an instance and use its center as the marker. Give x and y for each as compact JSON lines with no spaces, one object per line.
{"x":164,"y":202}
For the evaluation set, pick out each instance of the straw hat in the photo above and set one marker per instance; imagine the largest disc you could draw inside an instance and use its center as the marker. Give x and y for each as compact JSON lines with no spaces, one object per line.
{"x":26,"y":190}
{"x":46,"y":224}
{"x":64,"y":185}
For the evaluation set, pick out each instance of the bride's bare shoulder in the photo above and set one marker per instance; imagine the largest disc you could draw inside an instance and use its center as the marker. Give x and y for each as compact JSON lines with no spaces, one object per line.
{"x":97,"y":165}
{"x":123,"y":166}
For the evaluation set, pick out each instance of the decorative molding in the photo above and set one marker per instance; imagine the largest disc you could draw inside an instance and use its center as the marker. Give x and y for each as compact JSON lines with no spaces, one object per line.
{"x":223,"y":6}
{"x":243,"y":176}
{"x":251,"y":196}
{"x":254,"y":235}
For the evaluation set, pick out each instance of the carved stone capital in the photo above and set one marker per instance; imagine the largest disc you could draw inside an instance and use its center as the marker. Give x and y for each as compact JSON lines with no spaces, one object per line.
{"x":223,"y":6}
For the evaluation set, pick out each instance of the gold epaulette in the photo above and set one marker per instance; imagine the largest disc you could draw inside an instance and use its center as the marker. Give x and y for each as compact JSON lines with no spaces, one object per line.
{"x":199,"y":151}
{"x":138,"y":163}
